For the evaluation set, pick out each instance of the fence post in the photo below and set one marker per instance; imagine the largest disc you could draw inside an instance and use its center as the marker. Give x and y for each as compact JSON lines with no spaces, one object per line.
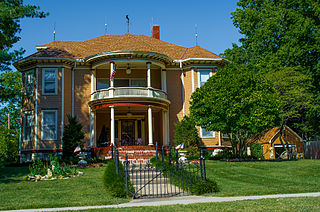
{"x":116,"y":159}
{"x":177,"y":160}
{"x":112,"y":151}
{"x":157,"y":150}
{"x":202,"y":166}
{"x":162,"y":155}
{"x":169,"y":154}
{"x":126,"y":162}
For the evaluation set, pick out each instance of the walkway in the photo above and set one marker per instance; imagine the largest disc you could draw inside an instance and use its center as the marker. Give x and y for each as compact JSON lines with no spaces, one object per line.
{"x":184,"y":200}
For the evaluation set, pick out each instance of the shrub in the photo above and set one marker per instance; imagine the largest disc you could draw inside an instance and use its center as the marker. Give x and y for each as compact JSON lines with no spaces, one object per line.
{"x":72,"y":137}
{"x":114,"y":183}
{"x":257,"y":151}
{"x":224,"y":154}
{"x":204,"y":187}
{"x":37,"y":168}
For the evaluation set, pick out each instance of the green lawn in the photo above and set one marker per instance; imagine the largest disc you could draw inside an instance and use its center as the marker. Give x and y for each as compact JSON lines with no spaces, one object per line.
{"x":234,"y":179}
{"x":265,"y":177}
{"x":282,"y":204}
{"x":15,"y":193}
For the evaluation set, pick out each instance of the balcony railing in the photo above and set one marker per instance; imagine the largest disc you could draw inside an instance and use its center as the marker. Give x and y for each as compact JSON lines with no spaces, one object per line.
{"x":128,"y":92}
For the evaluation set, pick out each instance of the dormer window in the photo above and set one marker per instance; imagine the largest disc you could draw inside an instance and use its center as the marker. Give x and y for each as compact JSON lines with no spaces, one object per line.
{"x":29,"y":83}
{"x":50,"y":81}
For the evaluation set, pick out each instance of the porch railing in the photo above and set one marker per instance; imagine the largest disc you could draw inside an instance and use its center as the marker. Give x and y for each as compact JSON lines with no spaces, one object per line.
{"x":128,"y":92}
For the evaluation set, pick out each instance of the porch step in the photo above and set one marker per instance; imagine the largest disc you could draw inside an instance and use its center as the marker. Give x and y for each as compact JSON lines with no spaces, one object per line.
{"x":135,"y":154}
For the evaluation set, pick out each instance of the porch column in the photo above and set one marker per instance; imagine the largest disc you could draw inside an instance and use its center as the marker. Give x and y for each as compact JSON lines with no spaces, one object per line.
{"x":112,"y":124}
{"x":112,"y":67}
{"x":148,"y":75}
{"x":92,"y":129}
{"x":164,"y":80}
{"x":150,"y":125}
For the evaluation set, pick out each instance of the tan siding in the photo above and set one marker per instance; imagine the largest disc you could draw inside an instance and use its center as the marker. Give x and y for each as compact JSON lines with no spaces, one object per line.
{"x":67,"y":94}
{"x":174,"y":87}
{"x":82,"y":91}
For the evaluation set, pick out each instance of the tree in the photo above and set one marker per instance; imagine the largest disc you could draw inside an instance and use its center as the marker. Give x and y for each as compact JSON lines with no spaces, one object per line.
{"x":236,"y":101}
{"x":281,"y":38}
{"x":11,"y":11}
{"x":72,"y":136}
{"x":186,"y":133}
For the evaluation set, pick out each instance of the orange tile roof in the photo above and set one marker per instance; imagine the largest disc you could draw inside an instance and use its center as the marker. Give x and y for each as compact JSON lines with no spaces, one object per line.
{"x":52,"y":52}
{"x":265,"y":136}
{"x":129,"y":42}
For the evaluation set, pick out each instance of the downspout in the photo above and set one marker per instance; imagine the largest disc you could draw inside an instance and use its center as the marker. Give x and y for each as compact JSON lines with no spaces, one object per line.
{"x":182,"y":89}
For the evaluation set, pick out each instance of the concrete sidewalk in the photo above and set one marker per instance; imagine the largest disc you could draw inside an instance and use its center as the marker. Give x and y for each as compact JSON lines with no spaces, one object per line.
{"x":183,"y":200}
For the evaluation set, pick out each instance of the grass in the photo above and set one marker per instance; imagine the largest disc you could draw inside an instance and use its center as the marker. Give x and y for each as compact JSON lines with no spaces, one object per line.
{"x":264,"y":177}
{"x":16,"y":193}
{"x":282,"y":204}
{"x":234,"y":179}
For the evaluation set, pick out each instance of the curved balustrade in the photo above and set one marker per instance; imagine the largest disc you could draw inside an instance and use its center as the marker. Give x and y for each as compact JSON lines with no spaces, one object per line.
{"x":128,"y":92}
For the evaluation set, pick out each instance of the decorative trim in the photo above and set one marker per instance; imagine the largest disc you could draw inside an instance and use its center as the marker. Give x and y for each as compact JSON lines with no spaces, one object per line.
{"x":36,"y":111}
{"x":56,"y":115}
{"x":56,"y":81}
{"x":62,"y":105}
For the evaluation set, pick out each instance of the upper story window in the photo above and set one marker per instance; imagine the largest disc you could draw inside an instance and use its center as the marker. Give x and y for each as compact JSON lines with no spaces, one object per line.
{"x":27,"y":126}
{"x":50,"y":81}
{"x":29,"y":83}
{"x":203,"y":76}
{"x":49,"y":125}
{"x":102,"y":83}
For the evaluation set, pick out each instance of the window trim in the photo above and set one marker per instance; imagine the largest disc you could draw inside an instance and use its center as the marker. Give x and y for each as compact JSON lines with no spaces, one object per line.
{"x":27,"y":73}
{"x":24,"y":126}
{"x":203,"y":70}
{"x":201,"y":136}
{"x":56,"y":123}
{"x":56,"y":81}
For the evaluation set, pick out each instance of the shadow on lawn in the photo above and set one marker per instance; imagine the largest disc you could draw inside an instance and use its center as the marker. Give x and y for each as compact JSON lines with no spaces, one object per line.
{"x":13,"y":174}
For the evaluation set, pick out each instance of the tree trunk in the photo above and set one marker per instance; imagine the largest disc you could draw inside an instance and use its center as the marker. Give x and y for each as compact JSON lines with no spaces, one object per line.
{"x":281,"y":132}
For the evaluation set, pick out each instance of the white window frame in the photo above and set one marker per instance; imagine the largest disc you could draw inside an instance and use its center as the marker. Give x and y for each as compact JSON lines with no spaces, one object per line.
{"x":56,"y":125}
{"x":24,"y":125}
{"x":213,"y":132}
{"x":56,"y":81}
{"x":26,"y":83}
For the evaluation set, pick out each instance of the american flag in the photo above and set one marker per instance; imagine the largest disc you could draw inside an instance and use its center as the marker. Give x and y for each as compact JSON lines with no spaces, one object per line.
{"x":113,"y":72}
{"x":77,"y":149}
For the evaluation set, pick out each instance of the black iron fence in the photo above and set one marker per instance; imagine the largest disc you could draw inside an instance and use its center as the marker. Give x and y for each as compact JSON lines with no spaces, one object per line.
{"x":166,"y":176}
{"x":312,"y":150}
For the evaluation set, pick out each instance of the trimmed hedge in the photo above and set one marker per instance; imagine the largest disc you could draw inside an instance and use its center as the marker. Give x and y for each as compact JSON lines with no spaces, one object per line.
{"x":114,"y":183}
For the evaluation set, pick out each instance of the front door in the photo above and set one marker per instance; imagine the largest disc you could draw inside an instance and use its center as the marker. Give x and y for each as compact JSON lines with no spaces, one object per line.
{"x":127,"y":132}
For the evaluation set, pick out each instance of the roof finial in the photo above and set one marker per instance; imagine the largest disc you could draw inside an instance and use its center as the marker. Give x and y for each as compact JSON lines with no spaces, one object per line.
{"x":196,"y":34}
{"x":128,"y":21}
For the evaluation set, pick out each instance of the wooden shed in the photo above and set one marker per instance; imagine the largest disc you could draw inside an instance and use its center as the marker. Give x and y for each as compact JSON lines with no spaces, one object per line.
{"x":272,"y":146}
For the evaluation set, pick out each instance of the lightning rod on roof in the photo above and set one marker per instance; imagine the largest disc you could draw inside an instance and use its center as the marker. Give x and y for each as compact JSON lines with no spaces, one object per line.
{"x":128,"y":21}
{"x":54,"y":31}
{"x":105,"y":28}
{"x":196,"y":34}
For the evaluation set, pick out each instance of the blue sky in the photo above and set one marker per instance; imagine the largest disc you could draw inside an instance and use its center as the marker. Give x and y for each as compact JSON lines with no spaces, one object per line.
{"x":84,"y":19}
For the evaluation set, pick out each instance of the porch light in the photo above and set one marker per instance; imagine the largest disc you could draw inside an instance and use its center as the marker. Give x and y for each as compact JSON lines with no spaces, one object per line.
{"x":128,"y":71}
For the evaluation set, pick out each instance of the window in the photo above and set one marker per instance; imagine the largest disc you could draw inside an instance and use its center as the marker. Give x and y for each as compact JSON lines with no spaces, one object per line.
{"x":102,"y":83}
{"x":206,"y":134}
{"x":27,"y":128}
{"x":29,"y":83}
{"x":203,"y":76}
{"x":50,"y":81}
{"x":130,"y":82}
{"x":49,"y":125}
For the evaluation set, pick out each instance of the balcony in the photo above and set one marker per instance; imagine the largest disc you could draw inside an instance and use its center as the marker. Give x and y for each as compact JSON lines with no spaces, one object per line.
{"x":129,"y":93}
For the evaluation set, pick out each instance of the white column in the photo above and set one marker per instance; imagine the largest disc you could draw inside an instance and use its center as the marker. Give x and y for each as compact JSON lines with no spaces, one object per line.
{"x":36,"y":112}
{"x":112,"y":66}
{"x":150,"y":125}
{"x":167,"y":127}
{"x":164,"y":135}
{"x":93,"y":82}
{"x":164,"y":80}
{"x":112,"y":124}
{"x":148,"y":75}
{"x":182,"y":92}
{"x":92,"y":132}
{"x":192,"y":78}
{"x":219,"y":138}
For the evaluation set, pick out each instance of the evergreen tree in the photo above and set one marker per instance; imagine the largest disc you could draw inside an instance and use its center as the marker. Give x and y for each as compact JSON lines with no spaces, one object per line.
{"x":72,"y":136}
{"x":186,"y":133}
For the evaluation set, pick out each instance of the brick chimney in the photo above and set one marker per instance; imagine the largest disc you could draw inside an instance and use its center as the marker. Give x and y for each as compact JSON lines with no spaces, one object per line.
{"x":156,"y":31}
